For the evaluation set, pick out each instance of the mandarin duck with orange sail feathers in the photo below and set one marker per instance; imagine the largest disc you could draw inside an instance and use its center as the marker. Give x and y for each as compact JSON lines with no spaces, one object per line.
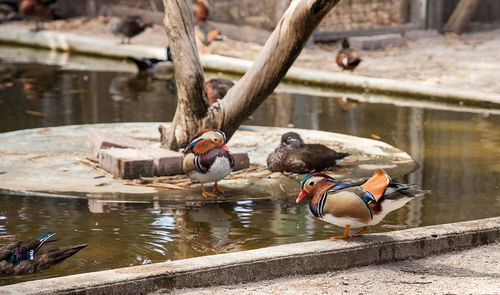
{"x":355,"y":204}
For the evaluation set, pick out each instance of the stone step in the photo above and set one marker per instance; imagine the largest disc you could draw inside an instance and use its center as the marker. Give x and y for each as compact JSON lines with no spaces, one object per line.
{"x":129,"y":158}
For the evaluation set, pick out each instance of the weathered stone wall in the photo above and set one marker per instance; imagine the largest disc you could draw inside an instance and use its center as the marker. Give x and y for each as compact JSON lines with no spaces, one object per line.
{"x":348,"y":14}
{"x":364,"y":14}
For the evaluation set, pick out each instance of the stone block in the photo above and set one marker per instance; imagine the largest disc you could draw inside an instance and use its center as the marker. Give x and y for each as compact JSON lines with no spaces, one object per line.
{"x":241,"y":160}
{"x":126,"y":163}
{"x":421,"y":34}
{"x":376,"y":42}
{"x":98,"y":140}
{"x":166,"y":162}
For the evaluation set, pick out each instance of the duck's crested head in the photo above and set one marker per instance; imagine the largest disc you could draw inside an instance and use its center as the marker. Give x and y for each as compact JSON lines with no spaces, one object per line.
{"x":310,"y":183}
{"x":291,"y":140}
{"x":216,"y":135}
{"x":207,"y":140}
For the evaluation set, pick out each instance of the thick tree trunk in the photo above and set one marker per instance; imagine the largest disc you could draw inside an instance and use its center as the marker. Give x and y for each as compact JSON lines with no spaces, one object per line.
{"x":192,"y":105}
{"x":277,"y":56}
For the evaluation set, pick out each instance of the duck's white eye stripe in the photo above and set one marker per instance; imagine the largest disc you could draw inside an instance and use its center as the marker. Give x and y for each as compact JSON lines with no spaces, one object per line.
{"x":223,"y":136}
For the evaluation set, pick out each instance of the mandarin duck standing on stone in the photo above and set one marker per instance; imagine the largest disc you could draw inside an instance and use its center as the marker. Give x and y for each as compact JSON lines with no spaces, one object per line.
{"x":355,"y":204}
{"x":294,"y":155}
{"x":347,"y":58}
{"x":33,"y":255}
{"x":38,"y":10}
{"x":127,"y":27}
{"x":207,"y":159}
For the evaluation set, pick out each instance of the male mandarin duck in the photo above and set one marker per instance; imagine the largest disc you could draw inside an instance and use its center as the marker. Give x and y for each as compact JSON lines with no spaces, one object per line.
{"x":217,"y":89}
{"x":38,"y":10}
{"x":294,"y":155}
{"x":127,"y":27}
{"x":204,"y":34}
{"x":355,"y":204}
{"x":154,"y":67}
{"x":201,"y":10}
{"x":207,"y":159}
{"x":347,"y":58}
{"x":33,"y":255}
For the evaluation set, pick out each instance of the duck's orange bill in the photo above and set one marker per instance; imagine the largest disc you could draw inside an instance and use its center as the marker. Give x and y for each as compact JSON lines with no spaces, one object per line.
{"x":225,"y":147}
{"x":302,"y":195}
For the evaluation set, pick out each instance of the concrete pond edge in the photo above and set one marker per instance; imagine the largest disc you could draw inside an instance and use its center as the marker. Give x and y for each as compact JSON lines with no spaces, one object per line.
{"x":64,"y":41}
{"x":272,"y":262}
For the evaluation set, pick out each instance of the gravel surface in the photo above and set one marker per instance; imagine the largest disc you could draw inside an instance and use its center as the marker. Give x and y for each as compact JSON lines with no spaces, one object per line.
{"x":473,"y":271}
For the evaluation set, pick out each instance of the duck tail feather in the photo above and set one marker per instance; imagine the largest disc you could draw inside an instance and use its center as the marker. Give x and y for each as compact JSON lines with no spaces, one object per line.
{"x":339,"y":156}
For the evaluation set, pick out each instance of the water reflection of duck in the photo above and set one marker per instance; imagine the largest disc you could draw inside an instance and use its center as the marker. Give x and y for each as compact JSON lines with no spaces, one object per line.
{"x":126,"y":87}
{"x":33,"y":255}
{"x":155,"y":68}
{"x":207,"y":159}
{"x":294,"y":155}
{"x":36,"y":80}
{"x":127,"y":27}
{"x":355,"y":204}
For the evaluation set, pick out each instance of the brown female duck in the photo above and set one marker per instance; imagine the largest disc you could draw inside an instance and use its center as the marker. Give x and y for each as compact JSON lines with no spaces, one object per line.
{"x":347,"y":58}
{"x":127,"y":27}
{"x":294,"y":155}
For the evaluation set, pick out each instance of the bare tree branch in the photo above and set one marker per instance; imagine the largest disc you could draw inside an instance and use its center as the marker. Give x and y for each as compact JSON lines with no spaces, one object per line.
{"x":277,"y":56}
{"x":192,"y":98}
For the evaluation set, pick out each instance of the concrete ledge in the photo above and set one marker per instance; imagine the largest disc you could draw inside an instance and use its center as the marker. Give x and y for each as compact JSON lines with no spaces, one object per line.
{"x":272,"y":262}
{"x":376,"y":42}
{"x":106,"y":47}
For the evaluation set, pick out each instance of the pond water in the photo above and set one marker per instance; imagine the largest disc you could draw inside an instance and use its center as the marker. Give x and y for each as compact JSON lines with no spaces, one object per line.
{"x":458,"y":153}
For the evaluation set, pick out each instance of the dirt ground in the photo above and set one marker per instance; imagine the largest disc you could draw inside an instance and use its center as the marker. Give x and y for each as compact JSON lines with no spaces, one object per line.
{"x":469,"y":61}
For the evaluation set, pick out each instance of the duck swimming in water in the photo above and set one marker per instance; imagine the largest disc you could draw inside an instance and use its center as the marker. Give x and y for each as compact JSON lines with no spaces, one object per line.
{"x":32,"y":255}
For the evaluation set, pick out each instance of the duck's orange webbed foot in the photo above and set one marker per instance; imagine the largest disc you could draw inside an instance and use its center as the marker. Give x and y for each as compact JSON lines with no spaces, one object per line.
{"x":345,"y":236}
{"x":217,"y":188}
{"x":204,"y":192}
{"x":359,"y":233}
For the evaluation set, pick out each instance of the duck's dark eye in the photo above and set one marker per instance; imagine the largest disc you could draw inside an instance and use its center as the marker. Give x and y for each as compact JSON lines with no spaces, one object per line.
{"x":289,"y":138}
{"x":215,"y":139}
{"x":311,"y":183}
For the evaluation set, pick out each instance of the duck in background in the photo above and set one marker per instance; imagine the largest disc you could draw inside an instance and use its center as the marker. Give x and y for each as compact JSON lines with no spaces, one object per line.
{"x":294,"y":155}
{"x":155,"y":68}
{"x":33,"y":255}
{"x":9,"y":10}
{"x":217,"y":89}
{"x":204,"y":34}
{"x":127,"y":27}
{"x":355,"y":204}
{"x":39,"y":11}
{"x":207,"y":159}
{"x":347,"y":58}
